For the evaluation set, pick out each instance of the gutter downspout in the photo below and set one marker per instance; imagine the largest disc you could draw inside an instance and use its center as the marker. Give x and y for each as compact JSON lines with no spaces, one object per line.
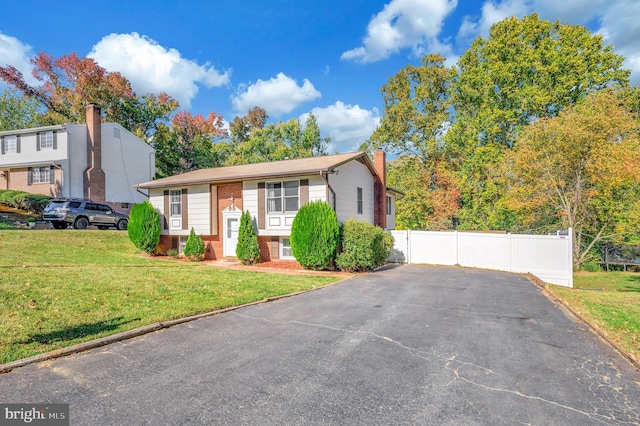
{"x":138,"y":190}
{"x":325,"y":176}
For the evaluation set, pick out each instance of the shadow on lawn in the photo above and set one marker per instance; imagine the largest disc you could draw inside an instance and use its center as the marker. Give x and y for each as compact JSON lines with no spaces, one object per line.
{"x":78,"y":331}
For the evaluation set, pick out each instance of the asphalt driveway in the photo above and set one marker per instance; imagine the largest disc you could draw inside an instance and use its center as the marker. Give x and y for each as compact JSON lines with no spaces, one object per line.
{"x":409,"y":345}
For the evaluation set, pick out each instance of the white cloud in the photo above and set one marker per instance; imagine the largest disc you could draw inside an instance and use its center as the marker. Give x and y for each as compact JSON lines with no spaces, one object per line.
{"x":152,"y":68}
{"x":401,"y":24}
{"x":621,"y":28}
{"x":348,"y":125}
{"x":491,"y":13}
{"x":17,"y":54}
{"x":278,"y":95}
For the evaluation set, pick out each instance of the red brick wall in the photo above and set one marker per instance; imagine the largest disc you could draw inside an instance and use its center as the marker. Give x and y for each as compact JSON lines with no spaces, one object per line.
{"x":380,"y":189}
{"x":18,"y":180}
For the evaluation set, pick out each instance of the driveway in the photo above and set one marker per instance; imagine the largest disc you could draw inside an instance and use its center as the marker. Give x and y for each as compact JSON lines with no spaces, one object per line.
{"x":409,"y":345}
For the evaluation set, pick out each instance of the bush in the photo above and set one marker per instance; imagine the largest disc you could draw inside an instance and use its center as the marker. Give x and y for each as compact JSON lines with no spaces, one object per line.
{"x":364,"y":246}
{"x":247,"y":250}
{"x":144,"y":227}
{"x":315,"y":234}
{"x":33,"y":203}
{"x":194,"y":249}
{"x":172,"y":253}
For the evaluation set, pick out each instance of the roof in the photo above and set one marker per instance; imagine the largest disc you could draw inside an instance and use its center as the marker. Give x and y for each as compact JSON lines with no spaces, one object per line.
{"x":32,"y":130}
{"x":283,"y":168}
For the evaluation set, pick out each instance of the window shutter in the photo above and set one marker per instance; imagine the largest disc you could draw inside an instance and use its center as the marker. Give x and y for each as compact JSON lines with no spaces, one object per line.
{"x":2,"y":146}
{"x":166,"y":210}
{"x":214,"y":210}
{"x":18,"y":144}
{"x":52,"y":175}
{"x":29,"y":175}
{"x":261,"y":205}
{"x":55,"y":140}
{"x":185,"y":209}
{"x":37,"y":141}
{"x":304,"y":191}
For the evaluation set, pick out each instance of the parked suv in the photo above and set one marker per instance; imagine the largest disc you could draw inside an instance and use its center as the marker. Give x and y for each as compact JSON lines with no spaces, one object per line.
{"x":62,"y":212}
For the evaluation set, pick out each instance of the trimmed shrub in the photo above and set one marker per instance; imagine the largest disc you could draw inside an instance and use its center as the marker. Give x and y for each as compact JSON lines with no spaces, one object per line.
{"x":33,"y":203}
{"x":194,"y":249}
{"x":247,"y":250}
{"x":364,"y":246}
{"x":315,"y":234}
{"x":144,"y":227}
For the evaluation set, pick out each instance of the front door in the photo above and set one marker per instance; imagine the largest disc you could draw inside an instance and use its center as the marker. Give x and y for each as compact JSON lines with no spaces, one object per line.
{"x":231,"y":226}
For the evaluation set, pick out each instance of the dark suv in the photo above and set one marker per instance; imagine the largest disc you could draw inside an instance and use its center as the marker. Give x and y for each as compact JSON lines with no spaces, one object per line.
{"x":62,"y":212}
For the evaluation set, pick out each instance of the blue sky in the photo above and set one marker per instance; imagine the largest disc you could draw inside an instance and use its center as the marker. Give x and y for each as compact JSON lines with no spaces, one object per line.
{"x":291,"y":57}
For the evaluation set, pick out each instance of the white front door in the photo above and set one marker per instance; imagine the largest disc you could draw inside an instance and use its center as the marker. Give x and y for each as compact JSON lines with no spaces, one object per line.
{"x":231,"y":226}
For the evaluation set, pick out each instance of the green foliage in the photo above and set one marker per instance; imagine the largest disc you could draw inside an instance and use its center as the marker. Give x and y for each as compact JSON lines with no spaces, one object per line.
{"x":194,"y":249}
{"x":315,"y":235}
{"x":247,"y":249}
{"x":172,"y":253}
{"x":33,"y":203}
{"x":144,"y":227}
{"x":19,"y":112}
{"x":364,"y":246}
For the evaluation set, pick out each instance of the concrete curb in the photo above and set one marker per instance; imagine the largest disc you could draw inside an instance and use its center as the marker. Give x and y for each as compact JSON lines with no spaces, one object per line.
{"x":125,"y":335}
{"x":545,"y":289}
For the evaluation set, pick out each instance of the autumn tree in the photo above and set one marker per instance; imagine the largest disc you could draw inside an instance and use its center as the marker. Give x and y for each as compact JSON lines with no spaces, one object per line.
{"x":417,"y":114}
{"x":188,"y":144}
{"x":526,"y":69}
{"x":67,"y":84}
{"x":580,"y":169}
{"x":241,"y":127}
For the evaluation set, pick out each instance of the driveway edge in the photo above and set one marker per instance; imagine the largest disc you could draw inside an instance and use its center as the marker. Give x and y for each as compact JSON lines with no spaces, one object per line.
{"x":125,"y":335}
{"x":545,"y":289}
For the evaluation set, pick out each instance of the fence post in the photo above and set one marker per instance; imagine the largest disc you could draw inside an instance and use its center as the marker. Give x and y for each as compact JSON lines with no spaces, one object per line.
{"x":570,"y":235}
{"x":409,"y":246}
{"x":455,"y":245}
{"x":510,"y":251}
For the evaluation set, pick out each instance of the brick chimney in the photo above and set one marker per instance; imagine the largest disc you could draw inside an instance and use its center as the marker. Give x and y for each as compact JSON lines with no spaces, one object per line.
{"x":94,"y":178}
{"x":380,"y":189}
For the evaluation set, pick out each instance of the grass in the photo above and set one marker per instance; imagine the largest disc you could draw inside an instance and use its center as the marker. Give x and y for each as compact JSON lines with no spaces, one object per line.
{"x":59,"y":288}
{"x":611,"y":302}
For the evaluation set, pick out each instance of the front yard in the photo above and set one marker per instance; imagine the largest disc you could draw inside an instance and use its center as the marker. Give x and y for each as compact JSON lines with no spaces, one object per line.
{"x":59,"y":288}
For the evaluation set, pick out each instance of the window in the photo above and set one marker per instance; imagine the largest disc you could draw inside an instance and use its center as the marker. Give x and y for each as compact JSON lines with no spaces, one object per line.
{"x":286,"y":252}
{"x":359,"y":200}
{"x":124,"y":206}
{"x":388,"y":205}
{"x":46,"y":140}
{"x":10,"y":144}
{"x":283,"y":197}
{"x":175,"y":200}
{"x":41,"y":175}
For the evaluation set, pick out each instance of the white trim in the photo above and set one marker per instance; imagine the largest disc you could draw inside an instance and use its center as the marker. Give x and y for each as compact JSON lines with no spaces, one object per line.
{"x":227,"y":249}
{"x":281,"y":247}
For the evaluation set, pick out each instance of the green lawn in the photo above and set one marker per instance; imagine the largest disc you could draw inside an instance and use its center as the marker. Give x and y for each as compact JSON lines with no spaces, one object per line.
{"x":611,"y":302}
{"x":59,"y":288}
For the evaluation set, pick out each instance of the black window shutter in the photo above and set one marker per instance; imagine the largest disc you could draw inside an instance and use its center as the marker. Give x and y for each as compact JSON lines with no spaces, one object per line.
{"x":52,"y":175}
{"x":29,"y":175}
{"x":261,"y":205}
{"x":37,"y":141}
{"x":1,"y":145}
{"x":185,"y":209}
{"x":18,"y":144}
{"x":166,"y":210}
{"x":55,"y":140}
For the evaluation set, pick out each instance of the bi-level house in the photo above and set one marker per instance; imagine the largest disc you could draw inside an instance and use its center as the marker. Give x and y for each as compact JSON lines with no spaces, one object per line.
{"x":97,"y":161}
{"x":211,"y":200}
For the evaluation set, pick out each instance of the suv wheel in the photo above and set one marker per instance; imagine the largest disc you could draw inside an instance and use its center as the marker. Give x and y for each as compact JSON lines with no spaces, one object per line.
{"x":122,"y":225}
{"x":81,"y":223}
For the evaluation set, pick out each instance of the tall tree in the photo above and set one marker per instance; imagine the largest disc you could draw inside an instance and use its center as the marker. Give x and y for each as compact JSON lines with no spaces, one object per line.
{"x":580,"y":169}
{"x":69,"y":83}
{"x":188,"y":144}
{"x":241,"y":127}
{"x":19,"y":112}
{"x":526,"y":69}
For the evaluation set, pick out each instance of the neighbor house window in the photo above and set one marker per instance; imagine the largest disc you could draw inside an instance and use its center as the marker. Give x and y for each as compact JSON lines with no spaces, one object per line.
{"x":283,"y":197}
{"x":175,"y":201}
{"x":125,"y":206}
{"x":359,"y":200}
{"x":46,"y":140}
{"x":10,"y":144}
{"x":41,"y":175}
{"x":388,"y":205}
{"x":286,"y":252}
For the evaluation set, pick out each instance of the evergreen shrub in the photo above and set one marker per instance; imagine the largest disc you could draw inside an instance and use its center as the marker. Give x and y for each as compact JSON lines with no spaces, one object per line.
{"x":247,"y":250}
{"x":315,"y":235}
{"x":33,"y":203}
{"x":194,"y":249}
{"x":144,"y":227}
{"x":364,"y":246}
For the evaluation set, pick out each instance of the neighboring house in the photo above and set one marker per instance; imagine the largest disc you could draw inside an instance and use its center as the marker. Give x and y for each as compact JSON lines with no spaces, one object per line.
{"x":96,"y":161}
{"x":211,"y":200}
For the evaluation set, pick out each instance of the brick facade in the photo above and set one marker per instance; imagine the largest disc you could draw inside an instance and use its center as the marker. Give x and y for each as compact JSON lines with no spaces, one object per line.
{"x":380,"y":189}
{"x":94,"y":177}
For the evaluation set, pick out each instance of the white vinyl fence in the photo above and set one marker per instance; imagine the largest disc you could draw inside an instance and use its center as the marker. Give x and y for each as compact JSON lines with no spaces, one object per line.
{"x":549,"y":257}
